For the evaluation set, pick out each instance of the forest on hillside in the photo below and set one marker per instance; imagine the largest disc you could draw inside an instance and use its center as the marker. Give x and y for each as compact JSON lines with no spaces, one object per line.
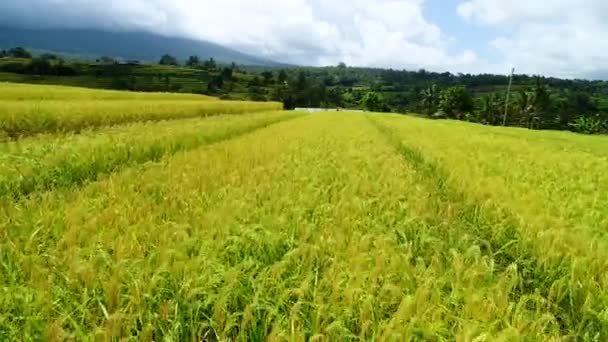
{"x":535,"y":102}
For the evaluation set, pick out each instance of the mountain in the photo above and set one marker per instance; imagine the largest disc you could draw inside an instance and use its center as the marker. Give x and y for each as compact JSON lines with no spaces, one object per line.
{"x":145,"y":47}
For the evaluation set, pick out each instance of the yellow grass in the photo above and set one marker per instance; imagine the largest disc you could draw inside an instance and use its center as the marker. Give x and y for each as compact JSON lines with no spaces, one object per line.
{"x":28,"y":92}
{"x":43,"y":109}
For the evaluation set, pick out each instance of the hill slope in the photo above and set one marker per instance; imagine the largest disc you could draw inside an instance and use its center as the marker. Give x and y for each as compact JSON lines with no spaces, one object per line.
{"x":126,"y":45}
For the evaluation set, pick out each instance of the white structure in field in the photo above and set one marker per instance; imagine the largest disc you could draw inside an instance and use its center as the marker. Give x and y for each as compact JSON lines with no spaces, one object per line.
{"x":319,"y":110}
{"x":316,"y":110}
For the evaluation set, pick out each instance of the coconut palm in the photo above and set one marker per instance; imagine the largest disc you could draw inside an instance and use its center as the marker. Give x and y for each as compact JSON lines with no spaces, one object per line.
{"x":430,"y":97}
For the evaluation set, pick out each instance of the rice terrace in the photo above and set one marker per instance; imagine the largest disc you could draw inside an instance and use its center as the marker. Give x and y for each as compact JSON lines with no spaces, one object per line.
{"x":166,"y":217}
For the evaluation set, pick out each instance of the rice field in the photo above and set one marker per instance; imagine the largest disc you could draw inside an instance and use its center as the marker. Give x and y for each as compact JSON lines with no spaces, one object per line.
{"x":27,"y":110}
{"x":28,"y":92}
{"x":50,"y":161}
{"x":285,"y":226}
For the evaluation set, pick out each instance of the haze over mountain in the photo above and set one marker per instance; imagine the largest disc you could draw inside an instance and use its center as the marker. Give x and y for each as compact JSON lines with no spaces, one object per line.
{"x":140,"y":46}
{"x":561,"y":38}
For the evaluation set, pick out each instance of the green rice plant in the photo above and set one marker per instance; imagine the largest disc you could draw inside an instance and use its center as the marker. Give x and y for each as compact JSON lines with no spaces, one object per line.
{"x":551,"y":195}
{"x":23,"y":118}
{"x":548,"y":182}
{"x":51,"y":161}
{"x":326,"y":228}
{"x":561,"y":140}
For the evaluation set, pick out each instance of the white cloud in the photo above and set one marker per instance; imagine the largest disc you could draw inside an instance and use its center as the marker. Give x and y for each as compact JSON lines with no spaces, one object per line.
{"x":566,"y":38}
{"x":501,"y":12}
{"x":554,"y":37}
{"x":359,"y":32}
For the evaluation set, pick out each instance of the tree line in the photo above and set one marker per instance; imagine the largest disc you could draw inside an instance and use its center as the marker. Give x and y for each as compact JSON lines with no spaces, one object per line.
{"x":536,"y":102}
{"x":533,"y":107}
{"x":44,"y":64}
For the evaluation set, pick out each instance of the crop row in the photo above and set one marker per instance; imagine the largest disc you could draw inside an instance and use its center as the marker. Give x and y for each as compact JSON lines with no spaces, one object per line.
{"x":23,"y":118}
{"x":297,"y":231}
{"x":540,"y":208}
{"x":27,"y":92}
{"x":46,"y":162}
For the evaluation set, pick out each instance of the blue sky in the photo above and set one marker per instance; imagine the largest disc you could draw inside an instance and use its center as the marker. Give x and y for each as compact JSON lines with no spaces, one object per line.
{"x":466,"y":35}
{"x":564,"y":38}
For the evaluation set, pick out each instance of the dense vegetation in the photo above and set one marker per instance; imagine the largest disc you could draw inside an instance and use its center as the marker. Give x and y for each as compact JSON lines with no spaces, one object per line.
{"x":285,"y":226}
{"x":535,"y":102}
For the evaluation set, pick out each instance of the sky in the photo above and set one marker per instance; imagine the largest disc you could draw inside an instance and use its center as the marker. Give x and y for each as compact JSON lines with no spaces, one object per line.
{"x":563,"y":38}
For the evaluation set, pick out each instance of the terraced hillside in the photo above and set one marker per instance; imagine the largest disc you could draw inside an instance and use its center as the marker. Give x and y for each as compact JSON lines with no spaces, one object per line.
{"x":278,"y":226}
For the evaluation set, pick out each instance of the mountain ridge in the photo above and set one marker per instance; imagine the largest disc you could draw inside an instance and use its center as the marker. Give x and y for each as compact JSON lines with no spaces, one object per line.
{"x":142,"y":46}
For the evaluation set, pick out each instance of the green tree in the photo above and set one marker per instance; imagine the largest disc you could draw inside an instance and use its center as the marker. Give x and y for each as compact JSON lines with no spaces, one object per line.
{"x":210,"y":64}
{"x":257,"y":93}
{"x":541,"y":103}
{"x":289,"y":102}
{"x":487,"y":111}
{"x":167,"y":83}
{"x":430,"y":98}
{"x":193,"y":61}
{"x":62,"y":69}
{"x":278,"y":93}
{"x":519,"y":111}
{"x":301,"y":82}
{"x":580,"y":102}
{"x":333,"y":97}
{"x":268,"y":77}
{"x":300,"y":90}
{"x":523,"y":103}
{"x":573,"y":105}
{"x":227,"y":73}
{"x":525,"y":108}
{"x":282,"y":78}
{"x":255,"y":89}
{"x":216,"y":84}
{"x":316,"y":94}
{"x":255,"y":82}
{"x":372,"y":102}
{"x":234,"y":67}
{"x":168,"y":60}
{"x":455,"y":102}
{"x":492,"y":109}
{"x":40,"y":66}
{"x":19,"y":52}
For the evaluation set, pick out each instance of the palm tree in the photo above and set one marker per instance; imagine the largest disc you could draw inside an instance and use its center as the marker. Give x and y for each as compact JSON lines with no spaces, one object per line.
{"x":430,"y":97}
{"x":540,"y":103}
{"x":524,"y":108}
{"x":492,"y":110}
{"x":486,"y":110}
{"x":522,"y":104}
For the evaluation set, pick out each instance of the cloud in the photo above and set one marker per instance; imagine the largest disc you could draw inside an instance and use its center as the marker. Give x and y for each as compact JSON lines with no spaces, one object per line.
{"x":565,"y":38}
{"x":387,"y":33}
{"x":515,"y":11}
